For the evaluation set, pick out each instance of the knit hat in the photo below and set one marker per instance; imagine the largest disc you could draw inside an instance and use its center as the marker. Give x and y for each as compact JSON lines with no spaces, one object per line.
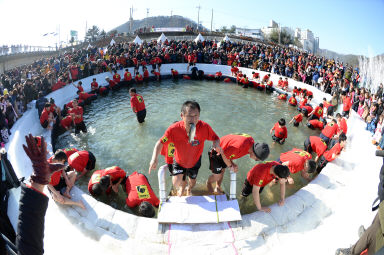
{"x":261,"y":150}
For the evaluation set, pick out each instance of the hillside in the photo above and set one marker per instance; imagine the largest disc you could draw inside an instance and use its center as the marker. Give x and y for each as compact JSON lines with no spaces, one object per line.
{"x":349,"y":58}
{"x":159,"y":21}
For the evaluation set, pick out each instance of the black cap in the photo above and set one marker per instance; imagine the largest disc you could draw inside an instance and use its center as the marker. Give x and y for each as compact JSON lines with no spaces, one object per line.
{"x":261,"y":150}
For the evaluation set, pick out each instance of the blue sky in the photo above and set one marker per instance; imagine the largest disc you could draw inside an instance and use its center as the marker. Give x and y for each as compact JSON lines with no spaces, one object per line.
{"x":349,"y":27}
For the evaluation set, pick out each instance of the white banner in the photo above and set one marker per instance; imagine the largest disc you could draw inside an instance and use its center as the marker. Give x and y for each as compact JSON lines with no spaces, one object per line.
{"x":169,"y":29}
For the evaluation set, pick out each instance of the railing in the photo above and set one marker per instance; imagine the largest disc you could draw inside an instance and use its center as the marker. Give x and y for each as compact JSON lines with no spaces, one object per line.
{"x":12,"y":50}
{"x":162,"y":183}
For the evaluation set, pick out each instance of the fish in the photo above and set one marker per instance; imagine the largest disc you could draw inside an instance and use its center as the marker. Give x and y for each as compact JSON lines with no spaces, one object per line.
{"x":192,"y":132}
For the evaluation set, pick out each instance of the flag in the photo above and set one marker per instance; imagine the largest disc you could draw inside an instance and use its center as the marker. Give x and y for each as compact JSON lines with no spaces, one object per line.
{"x":45,"y":34}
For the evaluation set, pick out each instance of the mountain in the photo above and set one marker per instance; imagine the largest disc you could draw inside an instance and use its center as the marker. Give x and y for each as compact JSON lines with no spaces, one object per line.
{"x":349,"y":58}
{"x":158,"y":21}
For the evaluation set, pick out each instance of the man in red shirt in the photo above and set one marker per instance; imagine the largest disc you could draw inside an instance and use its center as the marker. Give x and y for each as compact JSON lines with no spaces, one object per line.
{"x":106,"y":180}
{"x":342,"y":124}
{"x":62,"y":182}
{"x":140,"y":194}
{"x":317,"y":113}
{"x":86,"y":97}
{"x":298,"y":161}
{"x":46,"y":116}
{"x":234,"y":146}
{"x":116,"y":77}
{"x":297,"y":119}
{"x":259,"y":176}
{"x":156,"y":74}
{"x":82,"y":161}
{"x":333,"y":153}
{"x":60,"y":128}
{"x":111,"y":84}
{"x":280,"y":133}
{"x":138,"y":105}
{"x":94,"y":86}
{"x":329,"y":131}
{"x":77,"y":115}
{"x":127,"y":77}
{"x":313,"y":124}
{"x":174,"y":73}
{"x":292,"y":100}
{"x":347,"y":104}
{"x":315,"y":144}
{"x":188,"y":136}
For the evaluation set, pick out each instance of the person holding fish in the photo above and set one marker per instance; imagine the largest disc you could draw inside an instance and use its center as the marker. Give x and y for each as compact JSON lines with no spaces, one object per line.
{"x":188,"y":136}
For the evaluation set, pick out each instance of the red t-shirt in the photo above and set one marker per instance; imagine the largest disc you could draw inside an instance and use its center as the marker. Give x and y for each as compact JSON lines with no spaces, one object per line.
{"x":298,"y":118}
{"x":156,"y":74}
{"x":127,"y":76}
{"x":114,"y":172}
{"x":292,"y":101}
{"x":139,"y":190}
{"x":85,"y":95}
{"x":137,"y":102}
{"x":343,"y":126}
{"x":116,"y":78}
{"x":168,"y":151}
{"x":236,"y":145}
{"x":260,"y":174}
{"x":330,"y":129}
{"x":78,"y":111}
{"x":44,"y":116}
{"x":175,"y":72}
{"x":296,"y":158}
{"x":336,"y":149}
{"x":69,"y":151}
{"x":280,"y":132}
{"x":283,"y":97}
{"x":78,"y":160}
{"x":66,"y":122}
{"x":318,"y":145}
{"x":146,"y":74}
{"x":55,"y":178}
{"x":317,"y":124}
{"x":347,"y":103}
{"x":187,"y":154}
{"x":94,"y":85}
{"x":318,"y":111}
{"x":112,"y":84}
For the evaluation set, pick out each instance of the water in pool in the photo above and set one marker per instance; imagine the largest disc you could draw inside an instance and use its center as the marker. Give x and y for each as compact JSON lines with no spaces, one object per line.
{"x":116,"y":138}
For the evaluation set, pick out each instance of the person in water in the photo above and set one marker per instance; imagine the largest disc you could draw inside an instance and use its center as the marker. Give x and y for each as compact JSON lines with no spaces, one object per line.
{"x":138,"y":105}
{"x":188,"y":137}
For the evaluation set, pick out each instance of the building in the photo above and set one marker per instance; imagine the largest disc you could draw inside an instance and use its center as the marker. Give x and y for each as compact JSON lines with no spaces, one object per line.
{"x":255,"y":33}
{"x":274,"y":26}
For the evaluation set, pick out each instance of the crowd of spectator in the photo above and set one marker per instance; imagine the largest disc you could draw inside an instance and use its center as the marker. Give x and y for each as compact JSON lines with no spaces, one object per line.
{"x":19,"y":86}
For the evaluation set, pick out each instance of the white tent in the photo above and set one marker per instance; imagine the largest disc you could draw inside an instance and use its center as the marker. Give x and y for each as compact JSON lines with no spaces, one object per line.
{"x":226,"y":39}
{"x":112,"y":42}
{"x":138,"y":40}
{"x":199,"y":38}
{"x":162,"y":38}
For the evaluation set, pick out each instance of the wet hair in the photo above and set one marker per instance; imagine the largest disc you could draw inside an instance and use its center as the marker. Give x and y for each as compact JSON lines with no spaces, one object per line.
{"x":126,"y":70}
{"x":146,"y":210}
{"x":311,"y":166}
{"x":281,"y":171}
{"x":282,"y":122}
{"x":60,"y":155}
{"x":321,"y":105}
{"x":338,"y":115}
{"x":47,"y":105}
{"x":104,"y":182}
{"x":190,"y":104}
{"x":324,"y":99}
{"x":51,"y":100}
{"x":96,"y":189}
{"x":133,"y":90}
{"x":79,"y":83}
{"x":334,"y":121}
{"x":342,"y":137}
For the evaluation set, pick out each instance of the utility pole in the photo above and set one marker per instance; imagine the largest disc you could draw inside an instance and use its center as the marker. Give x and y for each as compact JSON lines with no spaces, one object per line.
{"x":147,"y":17}
{"x":86,"y":27}
{"x":211,"y":20}
{"x":130,"y":18}
{"x":198,"y":16}
{"x":279,"y":32}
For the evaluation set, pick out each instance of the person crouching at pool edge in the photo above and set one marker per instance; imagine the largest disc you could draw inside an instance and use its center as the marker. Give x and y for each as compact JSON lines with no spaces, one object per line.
{"x":259,"y":176}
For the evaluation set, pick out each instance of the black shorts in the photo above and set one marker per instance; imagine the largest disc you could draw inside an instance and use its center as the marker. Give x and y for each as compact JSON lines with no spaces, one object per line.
{"x":91,"y":161}
{"x":296,"y":124}
{"x":191,"y":64}
{"x":80,"y":127}
{"x":216,"y":162}
{"x":190,"y":172}
{"x":308,"y":146}
{"x":310,"y":126}
{"x":59,"y":187}
{"x":247,"y":189}
{"x":313,"y":117}
{"x":170,"y":168}
{"x":277,"y":139}
{"x":141,"y":115}
{"x":326,"y":139}
{"x":346,"y":114}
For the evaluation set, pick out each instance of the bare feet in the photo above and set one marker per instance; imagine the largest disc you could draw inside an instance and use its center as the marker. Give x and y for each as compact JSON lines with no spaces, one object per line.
{"x":209,"y":187}
{"x":188,"y":192}
{"x":81,"y":204}
{"x":218,"y":190}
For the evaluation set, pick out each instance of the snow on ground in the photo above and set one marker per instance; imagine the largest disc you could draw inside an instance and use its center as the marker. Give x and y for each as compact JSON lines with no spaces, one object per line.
{"x":318,"y":219}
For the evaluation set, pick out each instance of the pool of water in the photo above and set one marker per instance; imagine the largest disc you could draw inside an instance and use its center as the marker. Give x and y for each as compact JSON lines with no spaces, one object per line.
{"x":116,"y":138}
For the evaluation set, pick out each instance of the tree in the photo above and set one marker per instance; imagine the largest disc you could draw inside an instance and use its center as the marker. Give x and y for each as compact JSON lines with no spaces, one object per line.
{"x":285,"y":38}
{"x":92,"y":34}
{"x":232,"y":29}
{"x":298,"y":43}
{"x":224,"y":29}
{"x":112,"y":32}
